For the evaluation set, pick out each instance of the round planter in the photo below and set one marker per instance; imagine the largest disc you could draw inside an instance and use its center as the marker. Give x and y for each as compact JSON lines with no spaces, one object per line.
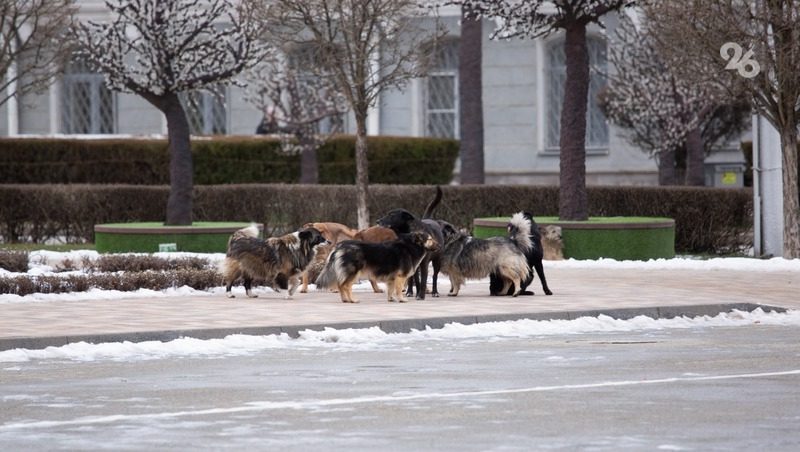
{"x":621,"y":238}
{"x":200,"y":237}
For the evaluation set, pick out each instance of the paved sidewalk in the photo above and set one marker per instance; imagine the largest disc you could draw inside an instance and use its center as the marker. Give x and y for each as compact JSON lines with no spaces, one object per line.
{"x":620,"y":293}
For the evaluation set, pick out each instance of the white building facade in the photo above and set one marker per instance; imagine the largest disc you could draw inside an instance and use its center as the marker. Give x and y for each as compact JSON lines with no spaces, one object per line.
{"x":522,"y":92}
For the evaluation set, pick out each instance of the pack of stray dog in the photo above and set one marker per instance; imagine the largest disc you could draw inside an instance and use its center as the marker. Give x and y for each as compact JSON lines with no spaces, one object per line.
{"x":398,"y":251}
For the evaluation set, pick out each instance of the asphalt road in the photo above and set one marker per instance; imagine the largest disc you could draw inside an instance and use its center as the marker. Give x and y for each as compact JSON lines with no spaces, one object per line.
{"x":725,"y":388}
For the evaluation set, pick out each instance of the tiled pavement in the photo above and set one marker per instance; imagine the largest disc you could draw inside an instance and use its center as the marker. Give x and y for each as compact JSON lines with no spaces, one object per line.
{"x":621,"y":293}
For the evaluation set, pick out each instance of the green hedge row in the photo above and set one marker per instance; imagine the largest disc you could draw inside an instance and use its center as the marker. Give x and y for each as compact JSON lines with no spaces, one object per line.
{"x":707,"y":219}
{"x":224,"y":160}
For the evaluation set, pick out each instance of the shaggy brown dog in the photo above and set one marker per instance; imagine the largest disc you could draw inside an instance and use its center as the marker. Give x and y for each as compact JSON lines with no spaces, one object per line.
{"x":277,"y":260}
{"x":334,"y":233}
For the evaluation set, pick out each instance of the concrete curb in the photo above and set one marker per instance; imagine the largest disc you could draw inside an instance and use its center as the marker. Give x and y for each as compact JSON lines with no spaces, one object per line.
{"x":389,"y":326}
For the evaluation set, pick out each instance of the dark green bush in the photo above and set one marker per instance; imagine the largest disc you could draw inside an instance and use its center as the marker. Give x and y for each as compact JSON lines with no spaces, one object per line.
{"x":224,"y":160}
{"x":707,"y":219}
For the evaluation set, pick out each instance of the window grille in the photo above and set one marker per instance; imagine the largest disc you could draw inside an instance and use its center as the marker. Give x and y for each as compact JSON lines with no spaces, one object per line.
{"x":207,"y":111}
{"x":441,"y":92}
{"x":87,"y":106}
{"x":596,"y":125}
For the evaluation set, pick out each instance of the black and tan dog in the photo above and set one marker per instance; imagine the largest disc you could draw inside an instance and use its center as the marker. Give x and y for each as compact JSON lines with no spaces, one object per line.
{"x":533,"y":250}
{"x":402,"y":221}
{"x":391,"y":262}
{"x":277,"y":260}
{"x":466,"y":257}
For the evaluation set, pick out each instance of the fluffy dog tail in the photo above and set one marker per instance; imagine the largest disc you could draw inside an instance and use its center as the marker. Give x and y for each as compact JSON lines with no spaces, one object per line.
{"x":248,"y":232}
{"x":519,"y":231}
{"x":328,"y":277}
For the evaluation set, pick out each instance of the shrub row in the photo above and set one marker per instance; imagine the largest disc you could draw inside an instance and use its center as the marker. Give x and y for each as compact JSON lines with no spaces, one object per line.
{"x":707,"y":219}
{"x":126,"y":282}
{"x":224,"y":160}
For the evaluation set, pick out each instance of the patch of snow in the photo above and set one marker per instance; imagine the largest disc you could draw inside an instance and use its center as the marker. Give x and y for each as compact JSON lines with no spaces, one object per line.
{"x":371,"y":338}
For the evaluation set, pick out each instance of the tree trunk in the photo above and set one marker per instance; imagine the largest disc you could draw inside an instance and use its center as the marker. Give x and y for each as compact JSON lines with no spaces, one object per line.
{"x":470,"y":87}
{"x":179,"y":203}
{"x":572,"y":203}
{"x":362,"y":175}
{"x":791,"y":201}
{"x":309,"y":164}
{"x":666,"y":168}
{"x":695,"y":158}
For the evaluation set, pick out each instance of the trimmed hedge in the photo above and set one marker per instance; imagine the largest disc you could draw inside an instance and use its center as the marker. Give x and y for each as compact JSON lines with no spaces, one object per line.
{"x":707,"y":219}
{"x":224,"y":160}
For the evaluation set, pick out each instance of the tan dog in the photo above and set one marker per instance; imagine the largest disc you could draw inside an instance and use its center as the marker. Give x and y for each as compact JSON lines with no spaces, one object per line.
{"x":333,"y":232}
{"x":552,"y":244}
{"x":375,"y":234}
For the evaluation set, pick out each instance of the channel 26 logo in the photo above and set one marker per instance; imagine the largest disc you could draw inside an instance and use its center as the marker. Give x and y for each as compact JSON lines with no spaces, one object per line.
{"x":744,"y":64}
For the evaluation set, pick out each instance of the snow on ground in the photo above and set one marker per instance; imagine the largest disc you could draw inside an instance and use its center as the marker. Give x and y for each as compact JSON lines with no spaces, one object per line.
{"x":49,"y":263}
{"x":374,"y":338}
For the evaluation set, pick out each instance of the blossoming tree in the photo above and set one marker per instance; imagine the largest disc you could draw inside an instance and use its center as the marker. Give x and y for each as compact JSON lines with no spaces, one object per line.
{"x":158,"y":49}
{"x":537,"y":18}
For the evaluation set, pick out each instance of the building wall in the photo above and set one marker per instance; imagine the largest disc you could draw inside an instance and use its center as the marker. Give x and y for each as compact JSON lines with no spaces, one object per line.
{"x":514,"y":87}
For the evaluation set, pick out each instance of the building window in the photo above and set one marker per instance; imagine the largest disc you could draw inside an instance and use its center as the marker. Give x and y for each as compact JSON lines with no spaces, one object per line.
{"x":207,"y":111}
{"x":441,"y":93}
{"x":87,"y":106}
{"x":596,"y":126}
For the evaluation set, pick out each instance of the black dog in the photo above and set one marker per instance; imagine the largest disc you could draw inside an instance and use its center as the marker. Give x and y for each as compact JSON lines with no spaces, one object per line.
{"x":533,"y":254}
{"x":402,"y":221}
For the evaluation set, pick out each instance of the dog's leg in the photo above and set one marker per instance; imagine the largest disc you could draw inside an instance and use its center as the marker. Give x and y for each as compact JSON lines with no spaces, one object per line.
{"x":516,"y":283}
{"x":346,"y":289}
{"x":228,"y":292}
{"x":540,"y":271}
{"x":391,"y":289}
{"x":455,"y":286}
{"x":294,"y":282}
{"x":398,"y":283}
{"x":248,"y":285}
{"x":437,"y":264}
{"x":375,"y":287}
{"x":304,"y":289}
{"x":411,"y":283}
{"x":422,"y":278}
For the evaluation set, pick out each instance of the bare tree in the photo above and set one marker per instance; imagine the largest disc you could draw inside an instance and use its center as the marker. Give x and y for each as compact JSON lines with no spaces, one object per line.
{"x":158,"y":49}
{"x":470,"y":92}
{"x":663,"y":111}
{"x":537,"y":18}
{"x":711,"y":41}
{"x":302,"y":108}
{"x":366,"y":46}
{"x":33,"y":44}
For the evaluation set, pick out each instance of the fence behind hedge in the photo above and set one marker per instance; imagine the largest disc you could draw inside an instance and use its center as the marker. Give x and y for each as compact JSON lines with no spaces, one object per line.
{"x":707,"y":219}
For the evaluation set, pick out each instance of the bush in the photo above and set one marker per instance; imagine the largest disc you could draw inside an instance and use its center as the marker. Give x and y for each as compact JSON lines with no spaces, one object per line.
{"x":126,"y":282}
{"x":223,"y":160}
{"x":707,"y":219}
{"x":14,"y":261}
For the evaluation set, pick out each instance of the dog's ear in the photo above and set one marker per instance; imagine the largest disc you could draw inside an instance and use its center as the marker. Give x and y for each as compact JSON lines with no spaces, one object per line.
{"x":307,"y":234}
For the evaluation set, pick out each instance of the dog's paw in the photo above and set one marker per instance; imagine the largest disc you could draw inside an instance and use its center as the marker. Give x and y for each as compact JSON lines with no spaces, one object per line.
{"x":230,"y":295}
{"x":548,"y":292}
{"x":526,"y":292}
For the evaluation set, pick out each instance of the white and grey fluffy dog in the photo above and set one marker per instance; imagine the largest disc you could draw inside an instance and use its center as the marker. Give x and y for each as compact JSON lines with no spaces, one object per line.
{"x":466,"y":257}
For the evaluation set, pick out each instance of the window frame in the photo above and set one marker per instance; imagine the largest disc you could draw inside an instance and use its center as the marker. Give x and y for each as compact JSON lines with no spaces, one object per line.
{"x":545,"y":107}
